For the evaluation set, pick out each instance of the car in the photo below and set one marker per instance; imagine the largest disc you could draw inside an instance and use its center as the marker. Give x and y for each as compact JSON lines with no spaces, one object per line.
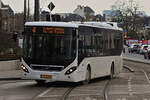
{"x":138,"y":50}
{"x":147,"y":53}
{"x":133,"y":48}
{"x":143,"y":49}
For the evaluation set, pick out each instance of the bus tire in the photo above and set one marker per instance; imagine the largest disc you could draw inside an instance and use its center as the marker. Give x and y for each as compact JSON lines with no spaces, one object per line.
{"x":40,"y":82}
{"x":112,"y":71}
{"x":88,"y":76}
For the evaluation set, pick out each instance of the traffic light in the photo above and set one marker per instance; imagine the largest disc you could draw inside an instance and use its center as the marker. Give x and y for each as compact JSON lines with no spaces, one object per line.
{"x":142,"y":38}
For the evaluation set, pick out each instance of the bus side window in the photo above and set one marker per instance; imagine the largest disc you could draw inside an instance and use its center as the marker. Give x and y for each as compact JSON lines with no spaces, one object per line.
{"x":80,"y":51}
{"x":80,"y":47}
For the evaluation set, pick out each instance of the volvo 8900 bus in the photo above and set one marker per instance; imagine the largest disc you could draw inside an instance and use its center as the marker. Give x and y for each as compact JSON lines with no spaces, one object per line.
{"x":71,"y":52}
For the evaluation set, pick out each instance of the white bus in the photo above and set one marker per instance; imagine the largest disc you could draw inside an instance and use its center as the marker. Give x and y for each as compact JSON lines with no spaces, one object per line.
{"x":71,"y":52}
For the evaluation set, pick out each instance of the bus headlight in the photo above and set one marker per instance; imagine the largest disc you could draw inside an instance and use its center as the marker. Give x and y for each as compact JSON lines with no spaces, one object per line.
{"x":72,"y":69}
{"x":24,"y":68}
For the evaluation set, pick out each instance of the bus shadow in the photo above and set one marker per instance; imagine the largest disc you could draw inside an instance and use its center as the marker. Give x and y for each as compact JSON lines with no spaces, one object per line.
{"x":71,"y":84}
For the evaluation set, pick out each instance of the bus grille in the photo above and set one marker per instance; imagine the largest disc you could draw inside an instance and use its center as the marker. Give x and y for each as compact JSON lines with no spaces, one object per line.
{"x":47,"y":68}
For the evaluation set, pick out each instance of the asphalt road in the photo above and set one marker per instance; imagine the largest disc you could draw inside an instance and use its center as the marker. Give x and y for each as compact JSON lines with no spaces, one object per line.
{"x":19,"y":90}
{"x":131,"y":85}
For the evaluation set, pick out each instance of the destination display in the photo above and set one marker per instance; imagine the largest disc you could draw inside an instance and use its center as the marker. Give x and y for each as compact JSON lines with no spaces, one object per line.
{"x":53,"y":30}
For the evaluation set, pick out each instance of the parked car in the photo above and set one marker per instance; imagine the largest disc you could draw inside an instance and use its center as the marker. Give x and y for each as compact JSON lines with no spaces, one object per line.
{"x":143,"y":49}
{"x":133,"y":48}
{"x":147,"y":53}
{"x":138,"y":49}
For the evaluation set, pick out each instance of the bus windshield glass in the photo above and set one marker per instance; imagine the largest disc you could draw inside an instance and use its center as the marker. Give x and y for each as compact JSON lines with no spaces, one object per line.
{"x":50,"y":48}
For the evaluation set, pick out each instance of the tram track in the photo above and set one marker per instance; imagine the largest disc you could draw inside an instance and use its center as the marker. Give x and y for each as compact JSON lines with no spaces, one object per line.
{"x":103,"y":88}
{"x":97,"y":90}
{"x":103,"y":95}
{"x":66,"y":94}
{"x":140,"y":69}
{"x":106,"y":89}
{"x":134,"y":81}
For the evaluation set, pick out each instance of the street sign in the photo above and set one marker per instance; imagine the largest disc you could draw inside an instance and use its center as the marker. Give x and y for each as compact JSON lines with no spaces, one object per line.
{"x":51,"y":6}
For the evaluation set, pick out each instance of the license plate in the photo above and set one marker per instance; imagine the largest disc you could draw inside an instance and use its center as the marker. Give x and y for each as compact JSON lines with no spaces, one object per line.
{"x":46,"y":76}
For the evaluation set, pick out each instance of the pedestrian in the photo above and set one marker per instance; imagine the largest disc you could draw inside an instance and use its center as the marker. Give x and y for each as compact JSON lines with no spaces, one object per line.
{"x":124,"y":49}
{"x":15,"y":34}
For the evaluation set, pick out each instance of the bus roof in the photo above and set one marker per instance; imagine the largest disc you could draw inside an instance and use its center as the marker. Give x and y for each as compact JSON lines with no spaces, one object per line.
{"x":57,"y":24}
{"x":108,"y":25}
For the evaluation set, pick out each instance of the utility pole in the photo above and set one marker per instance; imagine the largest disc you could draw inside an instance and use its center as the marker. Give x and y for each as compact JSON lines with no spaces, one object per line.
{"x":28,"y":11}
{"x":25,"y":11}
{"x":36,"y":10}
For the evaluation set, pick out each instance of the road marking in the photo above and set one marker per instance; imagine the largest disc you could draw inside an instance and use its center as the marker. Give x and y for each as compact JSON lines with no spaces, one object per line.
{"x":119,"y":99}
{"x":146,"y":76}
{"x":130,"y":90}
{"x":45,"y":92}
{"x":131,"y":94}
{"x":122,"y":99}
{"x":145,"y":99}
{"x":129,"y":86}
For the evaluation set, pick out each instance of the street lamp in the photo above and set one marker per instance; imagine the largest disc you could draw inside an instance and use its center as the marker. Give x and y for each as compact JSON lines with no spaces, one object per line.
{"x":24,"y":11}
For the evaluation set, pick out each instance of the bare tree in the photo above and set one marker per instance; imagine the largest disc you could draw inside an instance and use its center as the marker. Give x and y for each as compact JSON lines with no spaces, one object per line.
{"x":128,"y":16}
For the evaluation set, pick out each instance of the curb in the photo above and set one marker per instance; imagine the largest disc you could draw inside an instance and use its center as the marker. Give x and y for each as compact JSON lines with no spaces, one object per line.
{"x":136,"y":60}
{"x":129,"y":68}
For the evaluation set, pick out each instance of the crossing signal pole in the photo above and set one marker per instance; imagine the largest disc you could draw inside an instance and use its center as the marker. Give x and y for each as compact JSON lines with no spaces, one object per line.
{"x":25,"y":11}
{"x":51,"y":6}
{"x":28,"y":14}
{"x":36,"y":10}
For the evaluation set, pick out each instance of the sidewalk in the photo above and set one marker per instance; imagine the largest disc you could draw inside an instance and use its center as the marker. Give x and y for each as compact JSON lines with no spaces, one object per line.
{"x":135,"y":57}
{"x":10,"y":75}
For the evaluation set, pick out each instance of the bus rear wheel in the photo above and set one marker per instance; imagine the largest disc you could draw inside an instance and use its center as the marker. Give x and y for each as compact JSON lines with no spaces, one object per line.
{"x":87,"y":77}
{"x":112,"y":71}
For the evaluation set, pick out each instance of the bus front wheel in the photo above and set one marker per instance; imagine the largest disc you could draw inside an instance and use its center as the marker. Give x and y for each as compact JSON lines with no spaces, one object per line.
{"x":88,"y":76}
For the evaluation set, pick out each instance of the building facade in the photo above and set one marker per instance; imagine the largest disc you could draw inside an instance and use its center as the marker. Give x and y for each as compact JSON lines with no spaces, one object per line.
{"x":84,"y":11}
{"x":7,"y":18}
{"x":110,"y":14}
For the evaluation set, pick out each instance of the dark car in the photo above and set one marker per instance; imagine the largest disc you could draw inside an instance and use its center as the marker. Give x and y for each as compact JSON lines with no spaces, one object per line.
{"x":133,"y":48}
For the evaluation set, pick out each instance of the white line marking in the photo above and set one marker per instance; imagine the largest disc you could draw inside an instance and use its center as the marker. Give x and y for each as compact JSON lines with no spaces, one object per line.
{"x":123,"y":98}
{"x":74,"y":95}
{"x":131,"y":94}
{"x":130,"y":90}
{"x":129,"y":80}
{"x":145,"y":99}
{"x":119,"y":99}
{"x":43,"y":93}
{"x":146,"y":76}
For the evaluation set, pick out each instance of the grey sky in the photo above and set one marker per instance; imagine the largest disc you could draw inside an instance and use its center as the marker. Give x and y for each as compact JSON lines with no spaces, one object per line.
{"x":67,"y":6}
